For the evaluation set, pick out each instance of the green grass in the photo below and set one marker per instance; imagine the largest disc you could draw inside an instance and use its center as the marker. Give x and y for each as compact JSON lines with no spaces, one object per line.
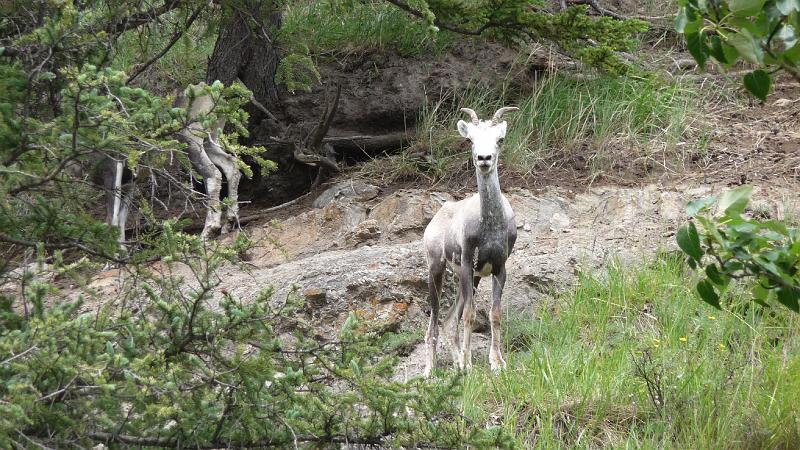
{"x":327,"y":27}
{"x":603,"y":120}
{"x":577,"y":369}
{"x":309,"y":28}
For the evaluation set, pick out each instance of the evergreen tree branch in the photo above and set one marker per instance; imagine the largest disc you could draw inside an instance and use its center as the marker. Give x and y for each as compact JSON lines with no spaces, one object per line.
{"x":597,"y":7}
{"x":109,"y":438}
{"x":61,"y":246}
{"x":448,"y":26}
{"x":175,"y":37}
{"x":136,"y":20}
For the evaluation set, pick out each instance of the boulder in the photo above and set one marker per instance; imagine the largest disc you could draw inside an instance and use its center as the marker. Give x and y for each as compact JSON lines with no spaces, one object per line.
{"x":353,"y":189}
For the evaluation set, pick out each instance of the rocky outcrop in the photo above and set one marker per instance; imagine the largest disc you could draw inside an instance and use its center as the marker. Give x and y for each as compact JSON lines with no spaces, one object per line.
{"x":359,"y":253}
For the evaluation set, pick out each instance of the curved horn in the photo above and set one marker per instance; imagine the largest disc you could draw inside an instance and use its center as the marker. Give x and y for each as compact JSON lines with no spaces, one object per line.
{"x":496,"y":117}
{"x":472,"y":115}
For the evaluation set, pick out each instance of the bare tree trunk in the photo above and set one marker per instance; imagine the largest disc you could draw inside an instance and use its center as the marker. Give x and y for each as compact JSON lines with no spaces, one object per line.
{"x":245,"y":49}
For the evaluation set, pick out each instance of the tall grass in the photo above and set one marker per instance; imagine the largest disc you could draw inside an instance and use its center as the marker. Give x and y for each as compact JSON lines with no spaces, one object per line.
{"x":579,"y":370}
{"x":335,"y":27}
{"x":602,"y":120}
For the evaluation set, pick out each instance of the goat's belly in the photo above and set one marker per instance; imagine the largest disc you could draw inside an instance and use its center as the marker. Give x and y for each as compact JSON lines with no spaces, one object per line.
{"x":484,"y":271}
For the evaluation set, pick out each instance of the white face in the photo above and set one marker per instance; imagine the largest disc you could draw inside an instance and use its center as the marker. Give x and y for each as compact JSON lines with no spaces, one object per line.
{"x":486,"y":139}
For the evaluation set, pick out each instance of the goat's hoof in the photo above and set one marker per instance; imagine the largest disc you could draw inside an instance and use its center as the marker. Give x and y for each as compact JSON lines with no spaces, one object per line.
{"x":210,"y":232}
{"x":497,"y":366}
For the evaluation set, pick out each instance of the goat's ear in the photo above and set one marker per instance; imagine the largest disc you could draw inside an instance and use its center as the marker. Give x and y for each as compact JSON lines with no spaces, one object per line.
{"x":463,"y":129}
{"x":501,"y":129}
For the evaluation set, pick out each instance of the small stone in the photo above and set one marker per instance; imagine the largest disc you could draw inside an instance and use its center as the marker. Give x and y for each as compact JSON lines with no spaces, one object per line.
{"x":314,"y":294}
{"x":526,"y":227}
{"x":357,"y":190}
{"x":364,"y":231}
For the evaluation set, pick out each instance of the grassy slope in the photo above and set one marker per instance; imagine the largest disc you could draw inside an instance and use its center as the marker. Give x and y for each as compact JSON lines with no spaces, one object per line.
{"x":329,"y":27}
{"x":606,"y":117}
{"x":604,"y":121}
{"x":578,"y":369}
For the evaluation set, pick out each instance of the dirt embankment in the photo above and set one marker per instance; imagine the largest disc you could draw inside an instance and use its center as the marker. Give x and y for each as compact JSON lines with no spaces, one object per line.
{"x":382,"y":95}
{"x":359,"y":249}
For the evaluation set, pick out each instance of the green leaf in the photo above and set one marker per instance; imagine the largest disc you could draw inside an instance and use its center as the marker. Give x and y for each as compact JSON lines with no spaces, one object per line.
{"x":689,"y":241}
{"x":735,"y":201}
{"x":776,"y":226}
{"x":758,"y":83}
{"x":695,"y":206}
{"x":787,"y":6}
{"x":731,"y":54}
{"x":742,"y":226}
{"x":697,"y":47}
{"x":789,"y":297}
{"x":787,"y":35}
{"x":715,"y":276}
{"x":716,"y":50}
{"x":47,"y":76}
{"x":773,"y":268}
{"x":744,"y":8}
{"x":708,"y":294}
{"x":760,"y":293}
{"x":748,"y":46}
{"x":791,"y":56}
{"x":681,"y":20}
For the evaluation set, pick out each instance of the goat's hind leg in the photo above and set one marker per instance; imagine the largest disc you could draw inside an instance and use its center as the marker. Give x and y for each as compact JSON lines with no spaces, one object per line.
{"x":451,"y":323}
{"x":212,"y":179}
{"x":450,"y":326}
{"x":496,"y":360}
{"x":467,"y":316}
{"x":435,"y":276}
{"x":227,"y":164}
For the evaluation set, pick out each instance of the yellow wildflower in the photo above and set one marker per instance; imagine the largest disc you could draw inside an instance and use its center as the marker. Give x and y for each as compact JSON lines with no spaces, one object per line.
{"x":712,"y":318}
{"x":682,"y":339}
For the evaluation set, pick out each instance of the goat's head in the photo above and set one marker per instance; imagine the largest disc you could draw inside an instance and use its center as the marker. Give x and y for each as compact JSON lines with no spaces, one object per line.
{"x":486,"y":137}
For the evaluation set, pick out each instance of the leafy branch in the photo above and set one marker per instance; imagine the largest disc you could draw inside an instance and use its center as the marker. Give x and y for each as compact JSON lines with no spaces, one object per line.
{"x":731,"y":247}
{"x":763,"y":33}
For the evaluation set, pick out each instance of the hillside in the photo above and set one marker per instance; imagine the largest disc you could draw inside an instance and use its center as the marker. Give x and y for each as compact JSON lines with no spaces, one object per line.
{"x":298,"y":320}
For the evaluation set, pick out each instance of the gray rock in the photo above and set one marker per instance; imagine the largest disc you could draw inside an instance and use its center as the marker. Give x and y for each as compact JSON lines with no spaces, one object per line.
{"x":354,"y":189}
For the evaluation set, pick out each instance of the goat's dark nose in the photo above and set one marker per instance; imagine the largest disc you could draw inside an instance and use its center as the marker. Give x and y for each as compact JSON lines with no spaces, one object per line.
{"x":484,"y":158}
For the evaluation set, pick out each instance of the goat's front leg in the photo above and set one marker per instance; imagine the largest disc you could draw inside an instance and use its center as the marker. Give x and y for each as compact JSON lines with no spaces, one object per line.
{"x":468,"y":313}
{"x":451,"y":329}
{"x":124,"y":207}
{"x":496,"y":360}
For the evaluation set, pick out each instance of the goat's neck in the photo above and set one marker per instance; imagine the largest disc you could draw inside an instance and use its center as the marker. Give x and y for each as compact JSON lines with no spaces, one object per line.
{"x":492,"y":211}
